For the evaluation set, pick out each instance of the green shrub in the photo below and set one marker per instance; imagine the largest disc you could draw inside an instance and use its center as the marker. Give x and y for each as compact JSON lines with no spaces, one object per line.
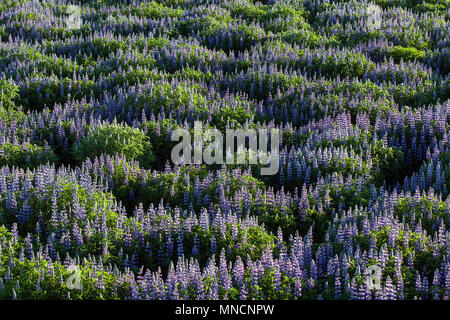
{"x":8,"y":92}
{"x":159,"y":134}
{"x":388,"y":164}
{"x":115,"y":138}
{"x":155,"y":10}
{"x":25,"y":156}
{"x":407,"y":54}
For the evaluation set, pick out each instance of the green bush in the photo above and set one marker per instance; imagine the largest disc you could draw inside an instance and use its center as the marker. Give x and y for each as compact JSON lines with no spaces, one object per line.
{"x":155,"y":10}
{"x":407,"y":54}
{"x":159,"y":134}
{"x":388,"y":164}
{"x":25,"y":156}
{"x":115,"y":138}
{"x":8,"y":92}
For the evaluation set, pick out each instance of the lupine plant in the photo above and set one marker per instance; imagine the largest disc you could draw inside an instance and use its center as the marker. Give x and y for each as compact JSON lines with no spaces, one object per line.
{"x":92,"y":206}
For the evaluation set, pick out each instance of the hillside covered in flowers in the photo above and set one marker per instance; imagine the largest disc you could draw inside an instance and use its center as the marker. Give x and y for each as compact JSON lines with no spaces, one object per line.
{"x":93,"y":207}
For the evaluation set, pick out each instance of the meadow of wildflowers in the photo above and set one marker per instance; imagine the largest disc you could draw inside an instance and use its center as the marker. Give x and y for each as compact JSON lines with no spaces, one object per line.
{"x":93,"y":207}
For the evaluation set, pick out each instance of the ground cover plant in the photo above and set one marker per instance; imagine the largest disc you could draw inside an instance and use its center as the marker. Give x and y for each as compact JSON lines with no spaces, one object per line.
{"x":93,"y":207}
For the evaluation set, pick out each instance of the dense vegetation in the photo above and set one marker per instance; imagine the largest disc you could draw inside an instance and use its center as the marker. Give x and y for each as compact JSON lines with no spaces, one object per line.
{"x":87,"y":186}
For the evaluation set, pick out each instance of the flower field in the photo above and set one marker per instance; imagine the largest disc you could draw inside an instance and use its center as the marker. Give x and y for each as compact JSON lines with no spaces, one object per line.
{"x":93,"y":207}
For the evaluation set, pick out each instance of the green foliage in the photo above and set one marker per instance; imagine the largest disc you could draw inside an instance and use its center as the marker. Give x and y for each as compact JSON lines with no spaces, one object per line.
{"x":238,"y":115}
{"x":164,"y":96}
{"x":115,"y":139}
{"x":8,"y":93}
{"x":388,"y":164}
{"x":11,"y":4}
{"x":350,"y":65}
{"x":28,"y":279}
{"x":44,"y":91}
{"x":27,"y":155}
{"x":158,"y":133}
{"x":406,"y":54}
{"x":286,"y":17}
{"x":293,"y":64}
{"x":156,"y":10}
